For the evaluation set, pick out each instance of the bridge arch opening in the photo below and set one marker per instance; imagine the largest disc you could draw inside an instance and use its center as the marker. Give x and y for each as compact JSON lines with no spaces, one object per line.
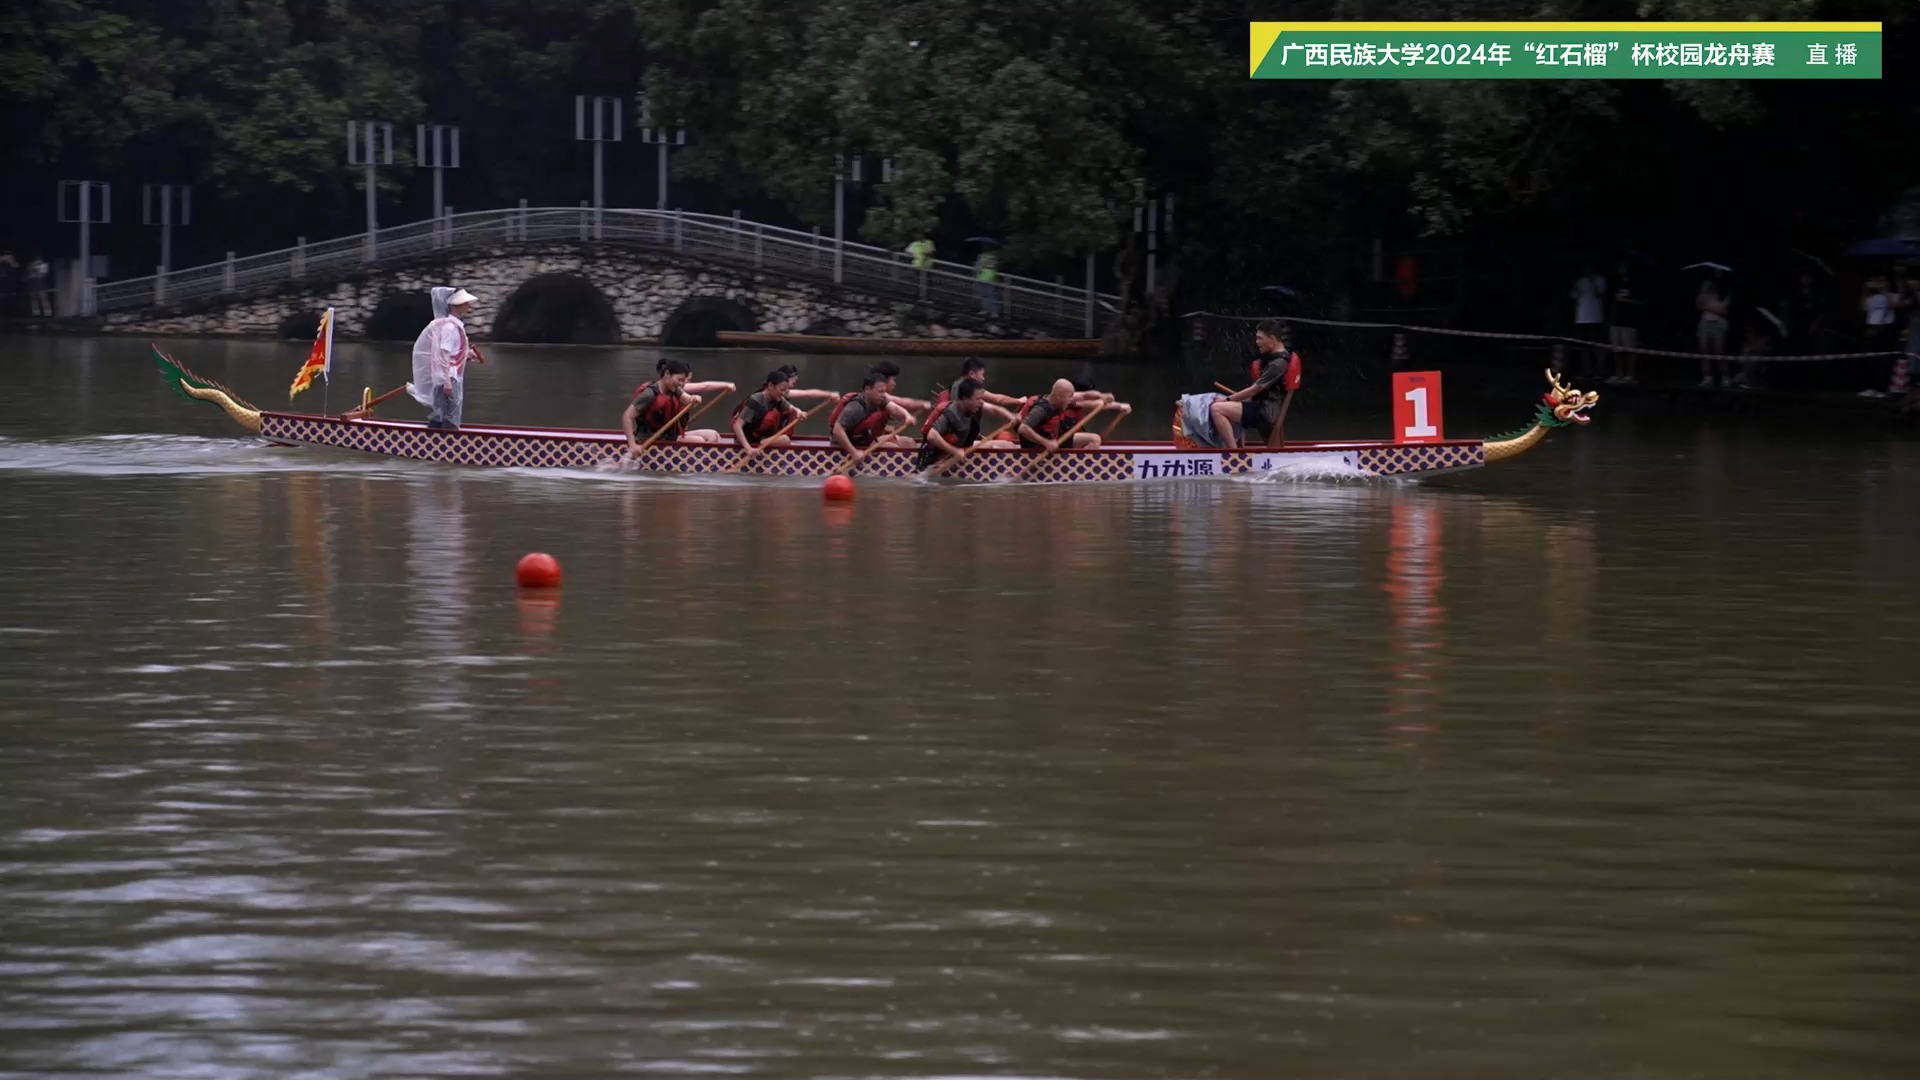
{"x":827,"y":327}
{"x":557,"y":309}
{"x":399,"y":316}
{"x":698,"y":318}
{"x":302,"y":325}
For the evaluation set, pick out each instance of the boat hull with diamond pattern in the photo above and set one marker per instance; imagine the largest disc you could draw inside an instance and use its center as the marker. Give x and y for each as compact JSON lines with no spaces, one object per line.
{"x":493,"y":446}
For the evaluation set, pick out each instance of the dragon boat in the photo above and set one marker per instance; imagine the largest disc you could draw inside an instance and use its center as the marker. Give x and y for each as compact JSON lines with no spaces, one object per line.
{"x":499,"y":446}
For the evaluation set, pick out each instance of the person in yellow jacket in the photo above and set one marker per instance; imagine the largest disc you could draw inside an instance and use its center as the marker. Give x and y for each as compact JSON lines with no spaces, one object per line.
{"x":921,"y":251}
{"x":986,"y":270}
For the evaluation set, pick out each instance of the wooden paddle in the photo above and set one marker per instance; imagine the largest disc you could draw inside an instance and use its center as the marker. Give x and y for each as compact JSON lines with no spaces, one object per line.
{"x":752,"y":451}
{"x":368,"y":401}
{"x":851,"y":462}
{"x":687,"y":416}
{"x":1065,"y":440}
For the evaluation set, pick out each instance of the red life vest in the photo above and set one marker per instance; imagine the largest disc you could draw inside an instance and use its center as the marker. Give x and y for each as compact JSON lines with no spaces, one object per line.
{"x":1049,"y":428}
{"x":838,"y":408}
{"x":771,"y":421}
{"x":940,"y":403}
{"x":1054,"y":426}
{"x":868,"y":429}
{"x":664,"y":408}
{"x":1289,"y":381}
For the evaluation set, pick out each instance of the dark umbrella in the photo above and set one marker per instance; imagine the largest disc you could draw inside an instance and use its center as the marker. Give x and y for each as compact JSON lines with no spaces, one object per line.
{"x":1884,"y":246}
{"x":983,"y":240}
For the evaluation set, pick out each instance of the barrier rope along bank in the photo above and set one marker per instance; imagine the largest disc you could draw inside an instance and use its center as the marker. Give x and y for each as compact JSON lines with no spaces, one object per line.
{"x":1757,"y":358}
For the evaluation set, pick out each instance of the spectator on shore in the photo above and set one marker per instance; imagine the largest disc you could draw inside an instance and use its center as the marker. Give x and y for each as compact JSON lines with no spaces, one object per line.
{"x":921,"y":251}
{"x":986,"y":273}
{"x":1880,"y":308}
{"x":1589,"y":296}
{"x":1623,"y":328}
{"x":1713,"y":301}
{"x":40,"y":287}
{"x":9,"y":284}
{"x":1758,"y":341}
{"x":1912,"y":359}
{"x":1805,"y":315}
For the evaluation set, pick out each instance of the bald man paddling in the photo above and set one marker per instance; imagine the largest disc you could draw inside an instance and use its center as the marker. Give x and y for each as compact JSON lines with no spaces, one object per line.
{"x":1044,"y":420}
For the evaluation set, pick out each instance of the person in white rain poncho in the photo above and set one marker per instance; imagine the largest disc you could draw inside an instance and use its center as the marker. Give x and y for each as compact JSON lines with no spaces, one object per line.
{"x":440,"y":356}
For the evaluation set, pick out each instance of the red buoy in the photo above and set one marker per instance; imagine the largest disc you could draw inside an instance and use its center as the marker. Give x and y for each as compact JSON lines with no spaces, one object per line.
{"x":537,"y":570}
{"x":837,"y":488}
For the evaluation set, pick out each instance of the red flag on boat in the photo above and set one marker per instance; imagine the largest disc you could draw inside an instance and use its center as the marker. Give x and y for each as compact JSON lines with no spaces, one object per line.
{"x":320,"y":360}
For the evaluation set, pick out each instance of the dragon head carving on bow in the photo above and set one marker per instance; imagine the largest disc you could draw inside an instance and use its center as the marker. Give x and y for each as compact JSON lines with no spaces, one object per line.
{"x":1564,"y":405}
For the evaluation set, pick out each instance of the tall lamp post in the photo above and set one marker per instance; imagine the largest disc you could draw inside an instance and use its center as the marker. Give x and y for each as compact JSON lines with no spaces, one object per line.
{"x":662,"y":137}
{"x":437,"y":147}
{"x":848,"y":169}
{"x":165,"y":205}
{"x":370,"y":143}
{"x":598,"y":120}
{"x":1151,"y":217}
{"x":86,"y":203}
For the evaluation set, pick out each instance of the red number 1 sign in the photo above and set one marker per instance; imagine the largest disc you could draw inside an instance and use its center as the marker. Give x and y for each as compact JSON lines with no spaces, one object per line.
{"x":1416,"y":407}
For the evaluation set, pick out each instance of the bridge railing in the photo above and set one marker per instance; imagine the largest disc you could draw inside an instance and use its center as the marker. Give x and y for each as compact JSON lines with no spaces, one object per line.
{"x":945,"y":286}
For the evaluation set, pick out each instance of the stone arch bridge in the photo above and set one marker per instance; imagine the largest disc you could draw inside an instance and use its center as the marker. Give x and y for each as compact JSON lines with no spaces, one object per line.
{"x":573,"y":276}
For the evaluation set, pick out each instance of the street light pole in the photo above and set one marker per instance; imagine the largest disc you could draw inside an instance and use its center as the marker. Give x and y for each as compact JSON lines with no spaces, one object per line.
{"x":846,"y":169}
{"x":165,"y":195}
{"x":83,"y":215}
{"x":604,"y":128}
{"x":437,"y":147}
{"x":662,"y":137}
{"x":370,"y":143}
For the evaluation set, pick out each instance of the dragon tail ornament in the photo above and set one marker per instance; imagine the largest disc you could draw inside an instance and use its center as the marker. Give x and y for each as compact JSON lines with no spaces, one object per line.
{"x":195,"y":388}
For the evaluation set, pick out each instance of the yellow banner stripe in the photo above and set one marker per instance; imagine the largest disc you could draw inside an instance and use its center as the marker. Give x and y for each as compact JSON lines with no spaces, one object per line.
{"x":1262,"y":35}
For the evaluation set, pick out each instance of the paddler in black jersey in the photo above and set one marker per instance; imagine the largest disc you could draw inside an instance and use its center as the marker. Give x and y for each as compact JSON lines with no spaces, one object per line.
{"x":970,"y":368}
{"x":656,"y":403}
{"x":758,"y":419}
{"x":1275,"y":372}
{"x":1045,"y":421}
{"x":957,"y":427}
{"x":858,"y":423}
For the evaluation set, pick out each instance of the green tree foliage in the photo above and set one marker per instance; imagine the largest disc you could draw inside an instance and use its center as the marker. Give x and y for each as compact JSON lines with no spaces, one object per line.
{"x":1023,"y":110}
{"x":1037,"y":120}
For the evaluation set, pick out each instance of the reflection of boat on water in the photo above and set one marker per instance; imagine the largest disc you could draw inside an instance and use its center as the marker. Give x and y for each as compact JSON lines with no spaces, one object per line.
{"x":436,"y":567}
{"x":498,"y":446}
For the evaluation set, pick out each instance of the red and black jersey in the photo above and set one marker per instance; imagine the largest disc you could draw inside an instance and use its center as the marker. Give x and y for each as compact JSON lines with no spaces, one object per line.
{"x":654,"y":408}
